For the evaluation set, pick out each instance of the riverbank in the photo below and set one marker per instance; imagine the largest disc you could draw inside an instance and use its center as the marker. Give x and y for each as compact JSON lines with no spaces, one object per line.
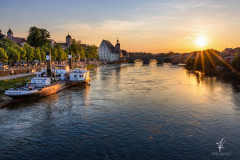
{"x":12,"y":83}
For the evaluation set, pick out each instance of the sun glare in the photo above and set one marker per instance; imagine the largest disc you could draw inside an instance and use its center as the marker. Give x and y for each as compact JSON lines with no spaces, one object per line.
{"x":201,"y":41}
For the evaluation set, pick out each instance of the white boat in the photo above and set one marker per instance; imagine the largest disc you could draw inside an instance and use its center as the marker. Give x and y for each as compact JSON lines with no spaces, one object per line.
{"x":181,"y":65}
{"x":38,"y":87}
{"x":79,"y":76}
{"x":61,"y":72}
{"x":41,"y":85}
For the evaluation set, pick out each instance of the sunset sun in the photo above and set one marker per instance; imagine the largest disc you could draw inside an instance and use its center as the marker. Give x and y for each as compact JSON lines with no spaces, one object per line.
{"x":201,"y":41}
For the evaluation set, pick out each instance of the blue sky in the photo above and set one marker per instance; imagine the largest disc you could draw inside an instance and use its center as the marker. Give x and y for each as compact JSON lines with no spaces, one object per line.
{"x":141,"y":25}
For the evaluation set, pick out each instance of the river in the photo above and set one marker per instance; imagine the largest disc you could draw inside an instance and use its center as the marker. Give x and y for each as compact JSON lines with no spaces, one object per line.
{"x":127,"y":112}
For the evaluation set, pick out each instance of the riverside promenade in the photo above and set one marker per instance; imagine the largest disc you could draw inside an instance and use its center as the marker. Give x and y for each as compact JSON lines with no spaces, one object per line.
{"x":15,"y":76}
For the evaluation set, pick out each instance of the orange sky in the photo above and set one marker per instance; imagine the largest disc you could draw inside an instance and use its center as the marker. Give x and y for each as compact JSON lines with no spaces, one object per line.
{"x":143,"y":26}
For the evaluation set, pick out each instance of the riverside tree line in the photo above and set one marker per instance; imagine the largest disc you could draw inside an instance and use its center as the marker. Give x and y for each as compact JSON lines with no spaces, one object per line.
{"x":38,"y":43}
{"x":212,"y":64}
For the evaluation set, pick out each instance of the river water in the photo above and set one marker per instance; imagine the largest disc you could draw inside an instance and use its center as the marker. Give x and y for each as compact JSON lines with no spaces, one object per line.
{"x":127,"y":112}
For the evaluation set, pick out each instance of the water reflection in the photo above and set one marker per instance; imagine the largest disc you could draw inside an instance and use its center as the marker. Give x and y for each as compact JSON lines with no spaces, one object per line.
{"x":127,"y":112}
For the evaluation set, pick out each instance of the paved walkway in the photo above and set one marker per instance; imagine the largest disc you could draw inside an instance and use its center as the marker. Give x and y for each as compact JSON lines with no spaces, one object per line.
{"x":15,"y":76}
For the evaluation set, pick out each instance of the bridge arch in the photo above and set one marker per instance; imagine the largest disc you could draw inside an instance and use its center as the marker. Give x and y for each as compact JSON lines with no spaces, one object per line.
{"x":146,"y":60}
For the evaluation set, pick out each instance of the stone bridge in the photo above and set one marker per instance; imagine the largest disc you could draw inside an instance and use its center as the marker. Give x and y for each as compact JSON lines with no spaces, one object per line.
{"x":146,"y":59}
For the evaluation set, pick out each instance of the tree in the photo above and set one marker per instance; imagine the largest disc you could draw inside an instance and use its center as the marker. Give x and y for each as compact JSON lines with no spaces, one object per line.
{"x":81,"y":52}
{"x":54,"y":54}
{"x":37,"y":54}
{"x":23,"y":54}
{"x":5,"y":43}
{"x":91,"y":52}
{"x":77,"y":49}
{"x":13,"y":55}
{"x":73,"y":48}
{"x":59,"y":54}
{"x":38,"y":37}
{"x":3,"y":55}
{"x":44,"y":49}
{"x":29,"y":52}
{"x":236,"y":62}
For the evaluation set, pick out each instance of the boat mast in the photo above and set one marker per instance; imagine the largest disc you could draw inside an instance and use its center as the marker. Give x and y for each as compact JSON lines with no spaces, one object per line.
{"x":48,"y":58}
{"x":70,"y":60}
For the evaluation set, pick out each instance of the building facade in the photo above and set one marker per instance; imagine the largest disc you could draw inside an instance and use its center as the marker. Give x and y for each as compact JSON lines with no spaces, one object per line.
{"x":18,"y":40}
{"x":108,"y":52}
{"x":68,"y":42}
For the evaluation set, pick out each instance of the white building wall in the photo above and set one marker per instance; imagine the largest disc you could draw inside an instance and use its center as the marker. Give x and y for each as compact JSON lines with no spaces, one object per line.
{"x":105,"y":54}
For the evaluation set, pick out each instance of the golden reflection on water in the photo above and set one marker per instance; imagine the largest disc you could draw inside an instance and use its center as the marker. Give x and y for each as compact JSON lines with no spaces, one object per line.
{"x":86,"y":95}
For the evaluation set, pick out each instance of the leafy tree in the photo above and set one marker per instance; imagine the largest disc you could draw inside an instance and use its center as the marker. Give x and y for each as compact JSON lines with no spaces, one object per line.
{"x":44,"y":49}
{"x":13,"y":55}
{"x":91,"y":52}
{"x":38,"y":37}
{"x":54,"y":54}
{"x":5,"y":43}
{"x":29,"y":52}
{"x":3,"y":55}
{"x":73,"y":48}
{"x":77,"y":50}
{"x":236,"y":62}
{"x":23,"y":54}
{"x":37,"y":54}
{"x":81,"y":52}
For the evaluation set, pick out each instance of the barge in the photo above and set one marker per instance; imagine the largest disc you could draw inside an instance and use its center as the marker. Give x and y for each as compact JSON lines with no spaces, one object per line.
{"x":37,"y":89}
{"x":50,"y":81}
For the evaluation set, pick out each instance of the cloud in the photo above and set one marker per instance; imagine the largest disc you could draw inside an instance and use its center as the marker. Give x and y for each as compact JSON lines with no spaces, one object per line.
{"x":188,"y":37}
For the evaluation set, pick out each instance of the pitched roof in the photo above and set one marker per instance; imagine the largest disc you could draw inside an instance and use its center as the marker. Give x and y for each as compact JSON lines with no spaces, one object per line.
{"x":9,"y":31}
{"x":18,"y":40}
{"x":63,"y":44}
{"x":68,"y":36}
{"x":110,"y":46}
{"x":2,"y":36}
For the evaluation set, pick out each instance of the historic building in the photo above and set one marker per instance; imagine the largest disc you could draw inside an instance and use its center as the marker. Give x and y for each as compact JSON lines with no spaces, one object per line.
{"x":1,"y":35}
{"x":108,"y":52}
{"x":68,"y":42}
{"x":18,"y":40}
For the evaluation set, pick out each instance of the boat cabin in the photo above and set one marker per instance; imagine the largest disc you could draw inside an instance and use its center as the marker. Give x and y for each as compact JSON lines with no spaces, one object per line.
{"x":78,"y":75}
{"x":61,"y":71}
{"x":40,"y":82}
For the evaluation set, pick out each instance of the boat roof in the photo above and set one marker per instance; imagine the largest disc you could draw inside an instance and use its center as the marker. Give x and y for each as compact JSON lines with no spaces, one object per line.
{"x":61,"y":66}
{"x":78,"y":70}
{"x":40,"y":78}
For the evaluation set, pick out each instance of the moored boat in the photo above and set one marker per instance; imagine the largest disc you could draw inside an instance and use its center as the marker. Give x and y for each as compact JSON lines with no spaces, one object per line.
{"x":43,"y":84}
{"x":181,"y":65}
{"x":79,"y":76}
{"x":38,"y":87}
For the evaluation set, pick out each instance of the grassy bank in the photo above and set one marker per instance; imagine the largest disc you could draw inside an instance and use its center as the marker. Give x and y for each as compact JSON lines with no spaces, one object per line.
{"x":90,"y":66}
{"x":12,"y":83}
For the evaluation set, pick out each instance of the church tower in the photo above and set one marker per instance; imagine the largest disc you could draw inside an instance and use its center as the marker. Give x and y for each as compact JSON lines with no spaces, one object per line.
{"x":117,"y":47}
{"x":68,"y":40}
{"x":10,"y":33}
